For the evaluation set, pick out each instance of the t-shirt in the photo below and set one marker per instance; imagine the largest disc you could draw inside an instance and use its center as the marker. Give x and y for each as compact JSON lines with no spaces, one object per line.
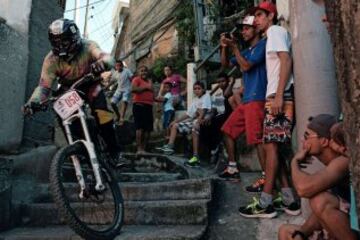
{"x":278,"y":40}
{"x":146,"y":97}
{"x":175,"y":80}
{"x":255,"y":79}
{"x":68,"y":73}
{"x":204,"y":102}
{"x":168,"y":102}
{"x":122,"y":78}
{"x":220,"y":103}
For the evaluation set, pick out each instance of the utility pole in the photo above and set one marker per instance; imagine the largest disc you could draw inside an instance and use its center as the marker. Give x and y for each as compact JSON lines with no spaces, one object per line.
{"x":314,"y":68}
{"x":77,"y":12}
{"x":86,"y":19}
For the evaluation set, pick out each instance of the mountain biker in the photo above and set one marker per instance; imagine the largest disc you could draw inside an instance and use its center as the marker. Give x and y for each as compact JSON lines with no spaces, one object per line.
{"x":70,"y":59}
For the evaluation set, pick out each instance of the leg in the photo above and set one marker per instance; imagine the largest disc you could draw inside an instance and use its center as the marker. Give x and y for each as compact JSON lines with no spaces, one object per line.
{"x":116,"y":110}
{"x":195,"y":141}
{"x":139,"y":137}
{"x":230,"y":148}
{"x":261,"y":155}
{"x":173,"y":133}
{"x":123,"y":106}
{"x":326,"y":207}
{"x":272,"y":165}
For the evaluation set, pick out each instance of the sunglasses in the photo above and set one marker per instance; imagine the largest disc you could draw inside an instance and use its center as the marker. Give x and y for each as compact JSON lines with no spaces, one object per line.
{"x":308,"y":135}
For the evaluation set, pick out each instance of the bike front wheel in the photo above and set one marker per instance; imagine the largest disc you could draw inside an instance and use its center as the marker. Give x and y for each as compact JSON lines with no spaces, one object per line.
{"x":98,"y":215}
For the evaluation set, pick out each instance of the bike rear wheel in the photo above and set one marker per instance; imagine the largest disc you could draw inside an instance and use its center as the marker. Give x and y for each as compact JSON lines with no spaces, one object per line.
{"x":98,"y":215}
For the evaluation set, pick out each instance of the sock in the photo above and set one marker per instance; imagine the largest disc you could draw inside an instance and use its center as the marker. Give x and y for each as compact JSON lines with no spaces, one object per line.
{"x":287,"y":196}
{"x":265,"y":199}
{"x":232,"y":164}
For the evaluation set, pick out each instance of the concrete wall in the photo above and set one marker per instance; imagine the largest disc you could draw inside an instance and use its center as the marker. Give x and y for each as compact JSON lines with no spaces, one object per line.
{"x":23,"y":44}
{"x":16,"y":13}
{"x":13,"y":71}
{"x":39,"y":130}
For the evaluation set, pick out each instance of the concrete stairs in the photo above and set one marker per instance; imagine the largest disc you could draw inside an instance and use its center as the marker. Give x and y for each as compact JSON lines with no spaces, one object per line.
{"x":161,"y":203}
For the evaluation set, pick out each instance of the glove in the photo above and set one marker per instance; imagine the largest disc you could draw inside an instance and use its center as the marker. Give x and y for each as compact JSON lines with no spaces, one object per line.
{"x":98,"y":67}
{"x":26,"y":109}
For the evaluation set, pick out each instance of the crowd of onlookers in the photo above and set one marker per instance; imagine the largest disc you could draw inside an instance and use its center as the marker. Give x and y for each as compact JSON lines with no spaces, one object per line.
{"x":264,"y":110}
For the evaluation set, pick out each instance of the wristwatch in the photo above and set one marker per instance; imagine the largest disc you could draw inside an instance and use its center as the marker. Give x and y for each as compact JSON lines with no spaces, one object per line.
{"x":301,"y":234}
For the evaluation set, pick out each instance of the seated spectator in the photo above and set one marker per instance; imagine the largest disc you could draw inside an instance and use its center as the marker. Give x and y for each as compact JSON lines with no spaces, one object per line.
{"x":168,"y":108}
{"x":327,"y":190}
{"x":210,"y":131}
{"x":190,"y":123}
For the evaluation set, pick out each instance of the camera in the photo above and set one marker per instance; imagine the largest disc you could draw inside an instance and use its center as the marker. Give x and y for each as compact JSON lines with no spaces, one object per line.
{"x":228,"y":35}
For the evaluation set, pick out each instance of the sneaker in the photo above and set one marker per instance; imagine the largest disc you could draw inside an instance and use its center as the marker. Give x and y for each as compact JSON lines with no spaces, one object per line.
{"x":254,"y":210}
{"x":257,"y":186}
{"x":230,"y":173}
{"x":118,"y":161}
{"x":294,"y":209}
{"x":193,"y":162}
{"x":166,"y":149}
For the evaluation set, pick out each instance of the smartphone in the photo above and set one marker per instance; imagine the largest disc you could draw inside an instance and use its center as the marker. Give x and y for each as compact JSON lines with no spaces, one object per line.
{"x":228,"y":35}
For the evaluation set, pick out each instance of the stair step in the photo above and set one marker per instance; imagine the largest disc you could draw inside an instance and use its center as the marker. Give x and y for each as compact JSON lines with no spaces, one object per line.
{"x":149,"y":177}
{"x":175,"y":190}
{"x":179,"y":212}
{"x":129,"y":232}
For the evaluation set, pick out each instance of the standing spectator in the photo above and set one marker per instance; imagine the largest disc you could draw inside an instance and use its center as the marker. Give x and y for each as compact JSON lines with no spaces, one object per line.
{"x":210,"y":131}
{"x":249,"y":114}
{"x":279,"y":114}
{"x":122,"y":76}
{"x":328,"y":190}
{"x":168,"y":108}
{"x":143,"y":99}
{"x":190,"y":123}
{"x":176,"y":90}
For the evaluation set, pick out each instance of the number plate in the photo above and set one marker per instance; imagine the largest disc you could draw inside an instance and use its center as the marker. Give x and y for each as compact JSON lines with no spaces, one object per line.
{"x":67,"y":104}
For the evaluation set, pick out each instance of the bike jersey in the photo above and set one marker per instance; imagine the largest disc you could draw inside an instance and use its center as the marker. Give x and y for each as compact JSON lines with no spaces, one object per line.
{"x":55,"y":69}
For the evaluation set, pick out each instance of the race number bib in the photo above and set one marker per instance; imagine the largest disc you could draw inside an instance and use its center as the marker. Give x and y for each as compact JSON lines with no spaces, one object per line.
{"x":67,"y":104}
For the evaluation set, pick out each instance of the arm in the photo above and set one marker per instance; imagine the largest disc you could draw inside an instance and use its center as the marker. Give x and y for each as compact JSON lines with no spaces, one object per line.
{"x":183,"y":81}
{"x":285,"y":71}
{"x":47,"y":79}
{"x":307,"y":185}
{"x":223,"y":56}
{"x":228,"y":91}
{"x":100,"y":56}
{"x":135,"y":88}
{"x":244,"y":64}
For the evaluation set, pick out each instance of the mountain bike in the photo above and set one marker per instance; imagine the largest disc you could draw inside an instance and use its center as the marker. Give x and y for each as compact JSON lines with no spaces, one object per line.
{"x":82,"y":183}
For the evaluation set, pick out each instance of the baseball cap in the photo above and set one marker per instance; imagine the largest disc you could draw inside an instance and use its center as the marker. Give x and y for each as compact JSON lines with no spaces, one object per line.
{"x":248,"y":20}
{"x":267,"y":6}
{"x":321,"y":124}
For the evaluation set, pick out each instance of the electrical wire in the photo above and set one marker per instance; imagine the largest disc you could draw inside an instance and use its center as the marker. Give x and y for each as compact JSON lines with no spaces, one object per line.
{"x":90,"y":4}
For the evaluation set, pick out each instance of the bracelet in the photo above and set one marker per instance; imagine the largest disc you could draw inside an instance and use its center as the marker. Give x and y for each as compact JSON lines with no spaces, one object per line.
{"x":301,"y":234}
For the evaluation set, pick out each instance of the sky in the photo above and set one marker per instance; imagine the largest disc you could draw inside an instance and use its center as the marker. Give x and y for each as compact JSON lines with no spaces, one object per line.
{"x":99,"y":20}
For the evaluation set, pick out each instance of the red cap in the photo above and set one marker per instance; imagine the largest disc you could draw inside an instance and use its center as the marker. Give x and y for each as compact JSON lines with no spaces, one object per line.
{"x":267,"y":6}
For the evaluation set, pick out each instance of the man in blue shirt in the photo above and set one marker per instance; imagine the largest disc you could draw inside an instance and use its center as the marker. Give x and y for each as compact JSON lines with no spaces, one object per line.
{"x":249,"y":115}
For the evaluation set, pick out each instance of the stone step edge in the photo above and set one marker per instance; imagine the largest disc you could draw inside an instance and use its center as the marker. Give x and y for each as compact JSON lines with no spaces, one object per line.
{"x":128,"y":232}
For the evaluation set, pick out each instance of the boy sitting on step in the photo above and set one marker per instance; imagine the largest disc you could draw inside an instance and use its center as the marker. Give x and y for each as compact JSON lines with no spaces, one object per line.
{"x":190,"y":123}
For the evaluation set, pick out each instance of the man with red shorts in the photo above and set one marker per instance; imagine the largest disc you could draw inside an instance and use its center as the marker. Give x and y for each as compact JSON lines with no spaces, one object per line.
{"x":249,"y":115}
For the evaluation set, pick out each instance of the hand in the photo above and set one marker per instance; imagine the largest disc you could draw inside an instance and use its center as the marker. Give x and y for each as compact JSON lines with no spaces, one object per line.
{"x":223,"y":40}
{"x":302,"y":157}
{"x":277,"y":106}
{"x":98,"y":67}
{"x":231,"y":80}
{"x":26,"y":109}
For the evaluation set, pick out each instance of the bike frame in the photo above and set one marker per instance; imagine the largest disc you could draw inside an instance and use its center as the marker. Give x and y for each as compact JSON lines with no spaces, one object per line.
{"x":89,"y":145}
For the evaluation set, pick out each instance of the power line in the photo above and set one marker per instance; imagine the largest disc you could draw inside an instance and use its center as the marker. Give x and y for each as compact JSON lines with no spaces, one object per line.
{"x":97,"y":29}
{"x":84,"y":6}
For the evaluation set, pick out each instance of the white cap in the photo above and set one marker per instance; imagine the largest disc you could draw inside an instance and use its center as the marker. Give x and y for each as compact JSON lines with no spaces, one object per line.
{"x":248,"y":20}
